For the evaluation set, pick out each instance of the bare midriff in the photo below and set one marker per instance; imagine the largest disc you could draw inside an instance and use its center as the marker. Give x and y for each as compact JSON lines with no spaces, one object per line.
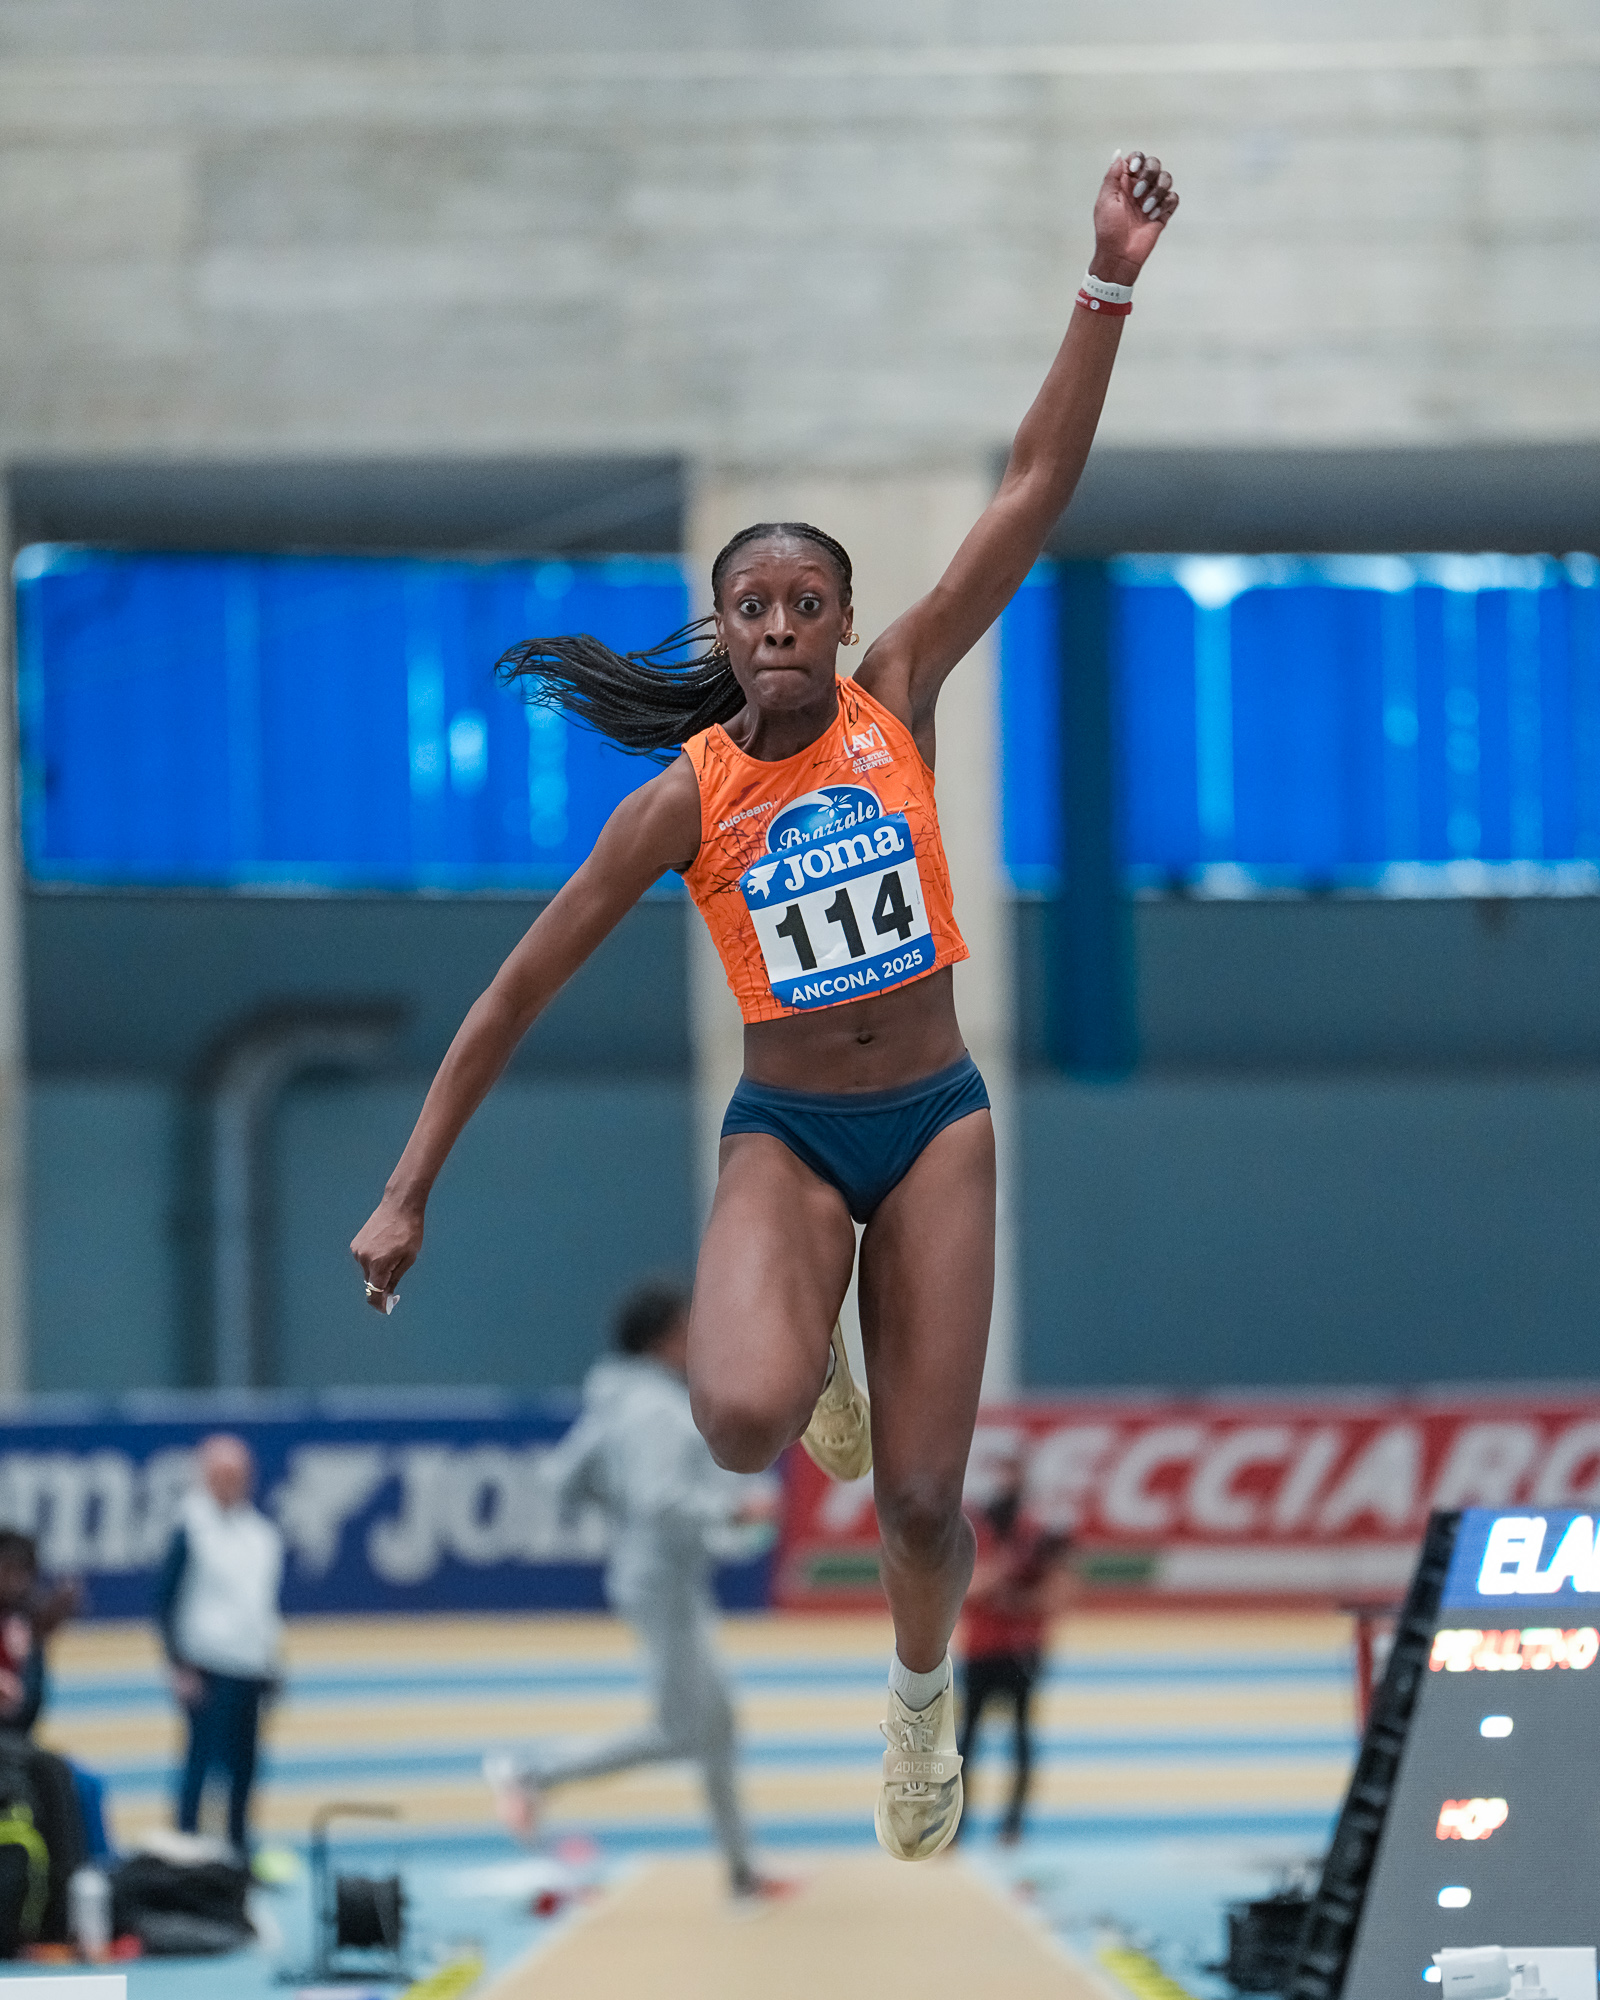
{"x":876,"y":1044}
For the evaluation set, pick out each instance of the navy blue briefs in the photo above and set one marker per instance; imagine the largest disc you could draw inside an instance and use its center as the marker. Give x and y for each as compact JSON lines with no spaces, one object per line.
{"x":862,"y":1142}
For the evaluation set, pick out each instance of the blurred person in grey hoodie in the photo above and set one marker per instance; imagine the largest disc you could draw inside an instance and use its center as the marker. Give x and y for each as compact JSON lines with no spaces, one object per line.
{"x":217,"y":1606}
{"x":635,"y":1453}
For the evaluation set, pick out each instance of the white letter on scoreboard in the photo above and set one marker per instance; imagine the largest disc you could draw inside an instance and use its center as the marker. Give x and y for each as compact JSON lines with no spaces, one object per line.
{"x":1512,"y":1555}
{"x":1573,"y":1559}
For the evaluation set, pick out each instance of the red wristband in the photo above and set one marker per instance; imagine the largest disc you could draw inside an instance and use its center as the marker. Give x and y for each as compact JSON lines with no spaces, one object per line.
{"x":1104,"y":306}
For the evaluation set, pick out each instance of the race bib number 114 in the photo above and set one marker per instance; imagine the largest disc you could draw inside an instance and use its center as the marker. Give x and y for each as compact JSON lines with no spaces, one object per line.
{"x":843,"y":918}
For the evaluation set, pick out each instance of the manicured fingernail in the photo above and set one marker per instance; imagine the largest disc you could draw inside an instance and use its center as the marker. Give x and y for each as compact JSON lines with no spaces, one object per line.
{"x":1135,"y":162}
{"x":1150,"y":206}
{"x":1139,"y":190}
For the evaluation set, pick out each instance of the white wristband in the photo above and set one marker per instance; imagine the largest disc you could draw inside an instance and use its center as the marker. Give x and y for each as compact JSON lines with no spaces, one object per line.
{"x":1113,"y":295}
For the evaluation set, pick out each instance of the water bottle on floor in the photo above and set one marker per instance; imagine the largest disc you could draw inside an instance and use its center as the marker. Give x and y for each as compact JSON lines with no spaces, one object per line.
{"x":89,"y":1912}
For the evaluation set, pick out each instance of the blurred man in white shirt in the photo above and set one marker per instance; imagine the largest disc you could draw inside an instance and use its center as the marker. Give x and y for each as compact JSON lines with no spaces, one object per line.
{"x":220,"y":1624}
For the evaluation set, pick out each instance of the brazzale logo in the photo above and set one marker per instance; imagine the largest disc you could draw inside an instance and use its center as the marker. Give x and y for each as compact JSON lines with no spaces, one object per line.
{"x":822,"y":816}
{"x":825,"y":833}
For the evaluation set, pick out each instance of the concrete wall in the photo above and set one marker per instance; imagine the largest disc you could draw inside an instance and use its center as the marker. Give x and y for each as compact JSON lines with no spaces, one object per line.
{"x":839,"y":233}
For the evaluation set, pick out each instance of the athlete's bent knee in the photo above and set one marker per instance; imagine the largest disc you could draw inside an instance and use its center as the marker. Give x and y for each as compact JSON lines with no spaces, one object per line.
{"x":920,"y":1520}
{"x":744,"y":1436}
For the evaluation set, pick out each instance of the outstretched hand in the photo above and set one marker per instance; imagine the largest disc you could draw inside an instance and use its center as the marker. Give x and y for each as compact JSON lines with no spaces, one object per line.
{"x":386,"y":1248}
{"x":1135,"y":203}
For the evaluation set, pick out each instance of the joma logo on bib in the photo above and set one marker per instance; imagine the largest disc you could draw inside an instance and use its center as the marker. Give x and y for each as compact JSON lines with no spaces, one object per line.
{"x":793,"y":872}
{"x":837,"y":904}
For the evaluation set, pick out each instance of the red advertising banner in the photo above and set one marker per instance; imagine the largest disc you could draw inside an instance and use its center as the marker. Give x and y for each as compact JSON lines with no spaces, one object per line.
{"x":1246,"y":1496}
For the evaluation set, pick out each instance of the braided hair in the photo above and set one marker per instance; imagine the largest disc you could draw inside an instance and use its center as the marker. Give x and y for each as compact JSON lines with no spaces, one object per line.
{"x":652,"y":701}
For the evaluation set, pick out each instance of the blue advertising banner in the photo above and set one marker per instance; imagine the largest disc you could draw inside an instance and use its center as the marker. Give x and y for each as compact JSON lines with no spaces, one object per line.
{"x":384,"y":1506}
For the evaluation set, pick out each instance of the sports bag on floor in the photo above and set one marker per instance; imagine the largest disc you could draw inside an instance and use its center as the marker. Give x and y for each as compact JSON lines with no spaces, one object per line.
{"x":178,"y":1908}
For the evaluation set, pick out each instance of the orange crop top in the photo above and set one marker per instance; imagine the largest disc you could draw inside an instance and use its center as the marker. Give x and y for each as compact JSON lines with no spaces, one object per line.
{"x":822,"y":878}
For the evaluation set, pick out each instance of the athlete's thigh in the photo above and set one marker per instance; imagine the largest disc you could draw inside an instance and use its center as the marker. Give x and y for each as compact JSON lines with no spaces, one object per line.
{"x":927,"y":1289}
{"x":774,"y":1267}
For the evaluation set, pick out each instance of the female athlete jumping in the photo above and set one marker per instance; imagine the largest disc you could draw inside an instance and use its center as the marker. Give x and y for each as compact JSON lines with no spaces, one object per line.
{"x":801,"y":815}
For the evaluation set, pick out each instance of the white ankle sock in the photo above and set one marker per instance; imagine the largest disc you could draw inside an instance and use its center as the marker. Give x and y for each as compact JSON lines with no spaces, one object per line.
{"x":917,"y":1690}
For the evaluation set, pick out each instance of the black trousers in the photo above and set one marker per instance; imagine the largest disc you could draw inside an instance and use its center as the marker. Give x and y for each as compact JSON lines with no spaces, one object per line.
{"x":1008,"y":1677}
{"x":223,"y":1727}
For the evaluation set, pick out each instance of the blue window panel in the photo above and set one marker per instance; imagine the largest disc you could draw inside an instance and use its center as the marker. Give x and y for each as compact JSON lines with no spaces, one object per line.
{"x":1297,"y":759}
{"x":1355,"y":679}
{"x":1154,"y":681}
{"x":1414,"y":725}
{"x":1030,"y":723}
{"x":1502,"y":801}
{"x":313,"y":720}
{"x":1553,"y":722}
{"x":1559,"y":724}
{"x":1582,"y":675}
{"x":1420,"y":725}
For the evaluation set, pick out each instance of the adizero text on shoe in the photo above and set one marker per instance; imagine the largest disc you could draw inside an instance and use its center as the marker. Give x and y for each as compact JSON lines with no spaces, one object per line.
{"x":919,"y":1803}
{"x":839,"y":1435}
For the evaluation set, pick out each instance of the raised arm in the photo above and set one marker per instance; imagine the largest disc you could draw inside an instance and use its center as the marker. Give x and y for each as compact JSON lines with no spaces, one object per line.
{"x":907,"y":665}
{"x":654,"y":829}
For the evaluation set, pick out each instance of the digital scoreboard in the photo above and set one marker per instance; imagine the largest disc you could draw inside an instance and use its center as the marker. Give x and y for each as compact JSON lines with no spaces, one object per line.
{"x":1490,"y":1832}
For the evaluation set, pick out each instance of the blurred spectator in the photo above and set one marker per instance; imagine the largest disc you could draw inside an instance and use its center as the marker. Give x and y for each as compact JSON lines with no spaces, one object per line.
{"x":635,"y":1453}
{"x":218,"y":1608}
{"x":29,"y":1613}
{"x":50,"y":1813}
{"x":1022,"y":1578}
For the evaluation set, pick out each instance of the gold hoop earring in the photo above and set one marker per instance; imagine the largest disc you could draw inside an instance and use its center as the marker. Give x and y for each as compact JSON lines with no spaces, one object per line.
{"x":853,"y":639}
{"x":719,"y":654}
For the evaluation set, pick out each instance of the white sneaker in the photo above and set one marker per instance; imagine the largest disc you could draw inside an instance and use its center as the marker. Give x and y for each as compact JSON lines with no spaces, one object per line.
{"x":518,"y":1802}
{"x":839,"y":1435}
{"x":920,"y":1800}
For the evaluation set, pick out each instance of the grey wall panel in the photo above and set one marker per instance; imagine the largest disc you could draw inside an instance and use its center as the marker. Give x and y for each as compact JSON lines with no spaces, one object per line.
{"x":1521,"y":497}
{"x":556,"y":1200}
{"x":148,"y":983}
{"x":101,"y":1274}
{"x":1209,"y":1231}
{"x":1348,"y":984}
{"x":498,"y":506}
{"x":1368,"y":983}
